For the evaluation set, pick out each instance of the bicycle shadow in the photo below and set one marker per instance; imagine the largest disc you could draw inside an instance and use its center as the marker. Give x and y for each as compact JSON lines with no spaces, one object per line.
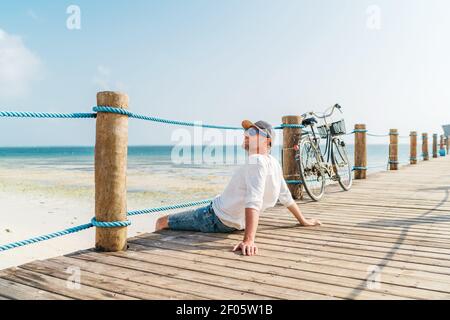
{"x":407,"y":222}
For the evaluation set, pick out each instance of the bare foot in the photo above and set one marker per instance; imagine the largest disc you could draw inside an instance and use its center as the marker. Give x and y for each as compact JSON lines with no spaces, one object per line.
{"x":162,"y":223}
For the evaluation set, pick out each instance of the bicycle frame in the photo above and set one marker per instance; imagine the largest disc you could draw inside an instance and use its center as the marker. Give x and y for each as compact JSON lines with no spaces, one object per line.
{"x":315,"y":140}
{"x":317,"y":162}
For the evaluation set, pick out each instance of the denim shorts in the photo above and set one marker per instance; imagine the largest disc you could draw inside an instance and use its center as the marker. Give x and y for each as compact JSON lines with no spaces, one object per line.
{"x":202,"y":219}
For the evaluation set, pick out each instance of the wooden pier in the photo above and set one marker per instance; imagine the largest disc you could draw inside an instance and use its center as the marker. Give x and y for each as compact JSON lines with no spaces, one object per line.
{"x":388,"y":238}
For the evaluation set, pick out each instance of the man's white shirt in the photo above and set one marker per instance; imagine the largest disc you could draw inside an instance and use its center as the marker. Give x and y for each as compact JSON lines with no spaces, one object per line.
{"x":258,"y":184}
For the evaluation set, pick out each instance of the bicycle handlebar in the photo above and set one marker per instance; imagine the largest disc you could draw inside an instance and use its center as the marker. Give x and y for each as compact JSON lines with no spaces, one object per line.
{"x":324,"y":114}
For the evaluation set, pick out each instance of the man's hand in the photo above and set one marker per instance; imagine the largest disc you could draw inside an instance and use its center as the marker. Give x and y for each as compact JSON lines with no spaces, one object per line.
{"x":247,"y":247}
{"x":295,"y":210}
{"x":311,"y":223}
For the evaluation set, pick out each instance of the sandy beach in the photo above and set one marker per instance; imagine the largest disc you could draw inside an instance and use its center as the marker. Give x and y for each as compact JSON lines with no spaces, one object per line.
{"x":35,"y":201}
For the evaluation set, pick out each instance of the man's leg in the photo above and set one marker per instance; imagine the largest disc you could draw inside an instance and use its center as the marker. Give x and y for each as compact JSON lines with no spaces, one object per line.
{"x":162,"y":223}
{"x":190,"y":220}
{"x":201,"y":219}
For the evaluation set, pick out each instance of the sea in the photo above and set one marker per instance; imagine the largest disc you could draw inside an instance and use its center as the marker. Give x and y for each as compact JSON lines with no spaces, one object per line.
{"x":165,"y":157}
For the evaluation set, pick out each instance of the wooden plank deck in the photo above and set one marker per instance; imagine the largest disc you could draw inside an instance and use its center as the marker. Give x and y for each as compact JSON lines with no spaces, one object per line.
{"x":394,"y":223}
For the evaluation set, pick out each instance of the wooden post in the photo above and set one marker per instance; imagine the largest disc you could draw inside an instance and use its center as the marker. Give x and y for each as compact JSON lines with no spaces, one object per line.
{"x":360,"y":151}
{"x":447,"y":140}
{"x":413,"y":148}
{"x":291,"y":137}
{"x":110,"y":172}
{"x":435,"y":148}
{"x":393,"y":149}
{"x":425,"y":154}
{"x":445,"y":144}
{"x":442,"y":152}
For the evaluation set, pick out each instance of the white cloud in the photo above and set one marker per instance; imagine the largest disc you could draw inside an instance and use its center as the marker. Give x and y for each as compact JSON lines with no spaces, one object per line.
{"x":19,"y":67}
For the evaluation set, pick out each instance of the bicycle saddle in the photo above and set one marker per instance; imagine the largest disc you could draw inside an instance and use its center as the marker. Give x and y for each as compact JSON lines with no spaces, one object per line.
{"x":309,"y":121}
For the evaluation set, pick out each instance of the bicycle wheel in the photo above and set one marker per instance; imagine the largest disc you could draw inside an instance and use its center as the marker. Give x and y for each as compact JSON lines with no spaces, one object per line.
{"x":341,"y":165}
{"x":312,"y":174}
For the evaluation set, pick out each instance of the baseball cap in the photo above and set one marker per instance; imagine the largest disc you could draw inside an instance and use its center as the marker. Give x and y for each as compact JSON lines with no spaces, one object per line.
{"x":260,"y":125}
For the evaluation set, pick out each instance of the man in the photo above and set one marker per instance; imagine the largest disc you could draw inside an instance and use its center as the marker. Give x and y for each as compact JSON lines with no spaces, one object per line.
{"x":254,"y":187}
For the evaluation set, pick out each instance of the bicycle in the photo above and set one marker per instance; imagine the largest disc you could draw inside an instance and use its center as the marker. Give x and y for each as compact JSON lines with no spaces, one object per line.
{"x":314,"y":170}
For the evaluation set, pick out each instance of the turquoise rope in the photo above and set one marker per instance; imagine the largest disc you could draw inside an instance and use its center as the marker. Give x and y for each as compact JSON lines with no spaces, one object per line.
{"x":359,"y":168}
{"x":45,"y":237}
{"x":294,"y":181}
{"x":181,"y":123}
{"x":168,"y":207}
{"x":27,"y":114}
{"x":299,"y":126}
{"x":155,"y":119}
{"x":30,"y":114}
{"x":378,"y":166}
{"x":111,"y":224}
{"x":98,"y":224}
{"x":377,"y":135}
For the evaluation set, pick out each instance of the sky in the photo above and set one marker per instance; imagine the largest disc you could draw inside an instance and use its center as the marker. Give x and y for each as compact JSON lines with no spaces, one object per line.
{"x":385,"y":62}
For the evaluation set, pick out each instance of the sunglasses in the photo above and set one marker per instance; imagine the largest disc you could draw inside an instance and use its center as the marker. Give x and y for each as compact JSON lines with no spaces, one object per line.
{"x":251,"y":132}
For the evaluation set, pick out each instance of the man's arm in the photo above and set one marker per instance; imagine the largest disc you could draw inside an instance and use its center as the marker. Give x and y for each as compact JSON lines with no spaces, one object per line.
{"x":255,"y":179}
{"x":287,"y":200}
{"x":295,"y":210}
{"x":247,"y":246}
